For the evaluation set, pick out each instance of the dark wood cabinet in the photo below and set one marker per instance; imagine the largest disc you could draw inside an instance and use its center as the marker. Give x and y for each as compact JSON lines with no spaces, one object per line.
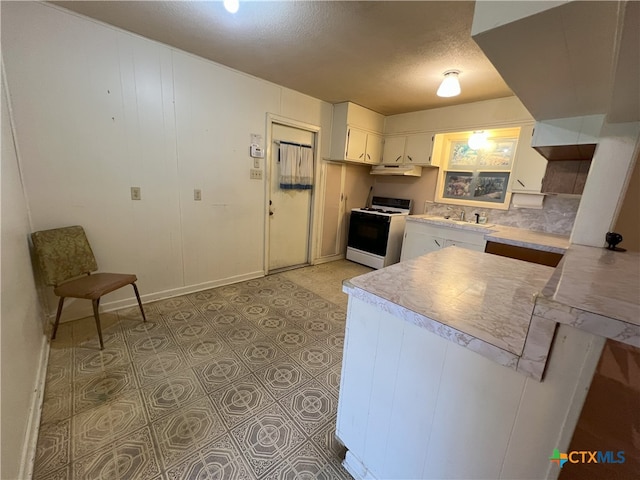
{"x":565,"y":176}
{"x":540,"y":257}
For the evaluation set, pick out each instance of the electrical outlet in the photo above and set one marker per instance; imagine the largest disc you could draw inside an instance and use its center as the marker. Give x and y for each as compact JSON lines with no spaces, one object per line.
{"x":197,"y":194}
{"x":255,"y":174}
{"x":135,"y":193}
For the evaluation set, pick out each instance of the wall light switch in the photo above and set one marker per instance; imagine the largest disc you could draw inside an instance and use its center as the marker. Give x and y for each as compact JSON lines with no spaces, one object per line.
{"x":135,"y":193}
{"x":256,"y":163}
{"x":197,"y":194}
{"x":255,"y":174}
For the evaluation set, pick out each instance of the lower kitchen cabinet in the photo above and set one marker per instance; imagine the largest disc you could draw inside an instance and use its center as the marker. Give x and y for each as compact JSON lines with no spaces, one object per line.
{"x":346,"y":187}
{"x":540,"y":257}
{"x":421,"y":238}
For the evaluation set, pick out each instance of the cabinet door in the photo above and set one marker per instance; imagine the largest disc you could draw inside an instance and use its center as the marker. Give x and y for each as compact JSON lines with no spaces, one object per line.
{"x":356,"y":145}
{"x":333,"y":224}
{"x":467,"y":245}
{"x":393,"y":153}
{"x":418,"y":149}
{"x":416,"y":244}
{"x":374,"y":149}
{"x":529,"y":165}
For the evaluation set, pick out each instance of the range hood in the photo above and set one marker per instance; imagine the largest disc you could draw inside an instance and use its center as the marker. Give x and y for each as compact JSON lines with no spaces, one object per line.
{"x":572,"y":138}
{"x":400,"y":170}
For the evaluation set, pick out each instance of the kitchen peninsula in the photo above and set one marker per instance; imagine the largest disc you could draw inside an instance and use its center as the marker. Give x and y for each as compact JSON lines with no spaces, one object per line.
{"x":462,"y":364}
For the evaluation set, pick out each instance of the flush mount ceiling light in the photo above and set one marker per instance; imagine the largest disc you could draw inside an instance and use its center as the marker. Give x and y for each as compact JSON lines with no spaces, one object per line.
{"x":450,"y":86}
{"x":232,"y":6}
{"x":478,"y":140}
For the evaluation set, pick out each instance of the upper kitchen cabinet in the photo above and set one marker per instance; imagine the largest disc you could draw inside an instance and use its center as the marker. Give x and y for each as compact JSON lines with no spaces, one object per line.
{"x":356,"y":134}
{"x":529,"y":165}
{"x":415,"y":149}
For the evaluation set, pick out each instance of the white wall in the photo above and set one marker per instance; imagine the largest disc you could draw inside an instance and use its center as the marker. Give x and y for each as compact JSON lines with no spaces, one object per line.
{"x":98,"y":110}
{"x":23,"y":344}
{"x":470,"y":116}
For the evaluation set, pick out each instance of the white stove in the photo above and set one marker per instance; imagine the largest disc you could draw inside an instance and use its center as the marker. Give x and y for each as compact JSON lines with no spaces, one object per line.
{"x":375,"y":232}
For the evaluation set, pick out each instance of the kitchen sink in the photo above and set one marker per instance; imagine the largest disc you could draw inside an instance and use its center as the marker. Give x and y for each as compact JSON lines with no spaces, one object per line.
{"x":468,"y":224}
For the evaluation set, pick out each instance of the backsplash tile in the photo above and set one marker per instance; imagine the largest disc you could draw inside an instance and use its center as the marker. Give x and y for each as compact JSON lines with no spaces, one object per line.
{"x":557,"y":215}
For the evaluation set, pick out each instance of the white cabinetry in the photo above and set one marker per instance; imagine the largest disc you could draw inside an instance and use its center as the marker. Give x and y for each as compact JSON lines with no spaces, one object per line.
{"x":412,"y":149}
{"x":568,"y":131}
{"x":356,"y":134}
{"x":529,"y":165}
{"x":421,"y":238}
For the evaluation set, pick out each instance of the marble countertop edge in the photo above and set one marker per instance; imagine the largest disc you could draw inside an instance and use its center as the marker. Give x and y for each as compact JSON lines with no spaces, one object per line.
{"x":466,"y":340}
{"x":518,"y":237}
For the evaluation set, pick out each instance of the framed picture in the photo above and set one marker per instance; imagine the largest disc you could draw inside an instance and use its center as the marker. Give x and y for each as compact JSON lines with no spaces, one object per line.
{"x":478,"y":176}
{"x":458,"y":185}
{"x":462,"y":155}
{"x":499,"y":154}
{"x":491,"y":187}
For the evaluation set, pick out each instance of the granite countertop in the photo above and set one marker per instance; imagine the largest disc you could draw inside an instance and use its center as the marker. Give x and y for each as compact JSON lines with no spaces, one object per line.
{"x":518,"y":237}
{"x":596,"y":290}
{"x":481,"y":301}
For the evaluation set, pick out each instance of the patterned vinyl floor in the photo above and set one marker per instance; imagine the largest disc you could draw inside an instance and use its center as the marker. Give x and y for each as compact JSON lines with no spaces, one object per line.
{"x":237,"y":382}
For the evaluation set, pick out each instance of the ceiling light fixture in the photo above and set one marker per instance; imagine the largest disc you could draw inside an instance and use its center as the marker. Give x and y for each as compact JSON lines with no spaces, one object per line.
{"x":232,"y":6}
{"x":478,"y":140}
{"x":450,"y":86}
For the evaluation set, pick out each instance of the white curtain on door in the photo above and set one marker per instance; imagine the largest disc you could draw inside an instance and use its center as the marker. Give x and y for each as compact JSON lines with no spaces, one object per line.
{"x":296,"y":167}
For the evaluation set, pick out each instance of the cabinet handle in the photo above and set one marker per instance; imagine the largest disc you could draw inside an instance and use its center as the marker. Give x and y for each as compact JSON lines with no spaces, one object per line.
{"x":346,"y":151}
{"x":361,"y":155}
{"x":409,"y":157}
{"x":368,"y":156}
{"x":521,"y":183}
{"x":398,"y":158}
{"x":437,"y":243}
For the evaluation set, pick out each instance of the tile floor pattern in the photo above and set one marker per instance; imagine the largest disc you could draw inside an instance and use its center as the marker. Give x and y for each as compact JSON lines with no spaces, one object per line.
{"x":237,"y":382}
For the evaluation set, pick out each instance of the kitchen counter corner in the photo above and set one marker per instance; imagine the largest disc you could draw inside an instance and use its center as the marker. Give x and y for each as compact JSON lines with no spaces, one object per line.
{"x":480,"y":301}
{"x":596,"y":290}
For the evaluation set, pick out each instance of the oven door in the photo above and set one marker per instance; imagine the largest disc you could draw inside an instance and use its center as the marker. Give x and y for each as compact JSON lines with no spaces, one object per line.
{"x":369,"y":232}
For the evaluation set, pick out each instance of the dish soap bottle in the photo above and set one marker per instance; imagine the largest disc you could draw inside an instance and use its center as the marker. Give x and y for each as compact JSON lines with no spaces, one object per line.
{"x":483,"y":217}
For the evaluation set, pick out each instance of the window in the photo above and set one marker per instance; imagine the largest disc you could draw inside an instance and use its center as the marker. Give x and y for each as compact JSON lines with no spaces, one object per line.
{"x":476,"y":176}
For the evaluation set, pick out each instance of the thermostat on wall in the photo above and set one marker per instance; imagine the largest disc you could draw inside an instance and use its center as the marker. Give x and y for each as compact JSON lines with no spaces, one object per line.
{"x":256,"y":151}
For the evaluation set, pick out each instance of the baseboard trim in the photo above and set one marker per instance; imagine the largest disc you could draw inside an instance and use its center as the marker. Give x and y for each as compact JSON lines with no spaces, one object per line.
{"x":152,"y":297}
{"x":356,"y":468}
{"x":33,"y":427}
{"x":331,"y":258}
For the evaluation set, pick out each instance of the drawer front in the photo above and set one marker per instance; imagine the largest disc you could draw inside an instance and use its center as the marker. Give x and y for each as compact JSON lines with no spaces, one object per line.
{"x":456,"y":234}
{"x":467,"y":245}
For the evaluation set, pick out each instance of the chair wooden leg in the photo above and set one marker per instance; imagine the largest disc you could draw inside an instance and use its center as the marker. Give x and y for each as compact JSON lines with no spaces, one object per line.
{"x":135,"y":289}
{"x":55,"y":325}
{"x":96,"y":314}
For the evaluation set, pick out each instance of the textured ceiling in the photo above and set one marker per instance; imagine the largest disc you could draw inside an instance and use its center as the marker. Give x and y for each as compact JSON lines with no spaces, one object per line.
{"x":388,"y":56}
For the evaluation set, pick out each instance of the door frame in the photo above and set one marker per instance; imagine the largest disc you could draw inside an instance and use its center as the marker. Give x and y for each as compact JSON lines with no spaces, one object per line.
{"x":315,"y":204}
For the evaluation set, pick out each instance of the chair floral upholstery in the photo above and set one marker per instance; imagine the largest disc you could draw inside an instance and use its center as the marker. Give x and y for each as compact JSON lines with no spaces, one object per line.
{"x":66,"y":261}
{"x":63,"y":253}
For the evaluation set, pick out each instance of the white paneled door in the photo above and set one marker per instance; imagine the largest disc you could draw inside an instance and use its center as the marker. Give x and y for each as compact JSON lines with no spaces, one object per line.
{"x":289,"y":210}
